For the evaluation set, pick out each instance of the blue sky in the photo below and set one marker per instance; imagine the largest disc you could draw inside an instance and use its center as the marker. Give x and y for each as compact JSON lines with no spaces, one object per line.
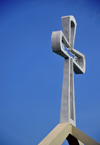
{"x":31,"y":74}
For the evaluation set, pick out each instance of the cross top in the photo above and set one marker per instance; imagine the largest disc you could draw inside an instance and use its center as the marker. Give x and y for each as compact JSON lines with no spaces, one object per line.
{"x":66,"y":38}
{"x":59,"y":40}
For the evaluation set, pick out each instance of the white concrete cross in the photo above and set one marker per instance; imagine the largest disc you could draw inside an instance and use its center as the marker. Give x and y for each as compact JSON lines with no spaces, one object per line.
{"x":59,"y":40}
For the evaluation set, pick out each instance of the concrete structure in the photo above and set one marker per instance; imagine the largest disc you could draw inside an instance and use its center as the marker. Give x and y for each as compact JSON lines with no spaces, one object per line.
{"x":59,"y":41}
{"x":67,"y":131}
{"x":62,"y":43}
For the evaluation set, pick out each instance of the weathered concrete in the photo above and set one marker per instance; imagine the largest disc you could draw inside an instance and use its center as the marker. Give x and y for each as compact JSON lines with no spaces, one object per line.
{"x":67,"y":113}
{"x":59,"y":40}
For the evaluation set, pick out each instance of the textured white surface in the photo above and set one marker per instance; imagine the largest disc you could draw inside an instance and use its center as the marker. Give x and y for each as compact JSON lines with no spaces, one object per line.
{"x":59,"y":40}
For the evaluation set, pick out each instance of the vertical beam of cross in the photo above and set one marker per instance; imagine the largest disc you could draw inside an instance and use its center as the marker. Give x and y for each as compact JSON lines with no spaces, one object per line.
{"x":67,"y":113}
{"x":60,"y":40}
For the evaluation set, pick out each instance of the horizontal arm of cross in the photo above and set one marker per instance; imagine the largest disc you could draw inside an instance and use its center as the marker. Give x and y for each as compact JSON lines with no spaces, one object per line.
{"x":58,"y":41}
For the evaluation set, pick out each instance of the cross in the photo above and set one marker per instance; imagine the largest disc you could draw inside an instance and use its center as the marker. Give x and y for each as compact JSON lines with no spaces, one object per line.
{"x":61,"y":40}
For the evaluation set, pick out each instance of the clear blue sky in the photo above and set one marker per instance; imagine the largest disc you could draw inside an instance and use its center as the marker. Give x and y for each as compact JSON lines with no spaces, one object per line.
{"x":31,"y":74}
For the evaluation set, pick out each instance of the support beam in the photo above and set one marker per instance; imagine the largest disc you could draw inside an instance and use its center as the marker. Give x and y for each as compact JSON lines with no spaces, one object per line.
{"x":57,"y":135}
{"x":67,"y":131}
{"x":83,"y":137}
